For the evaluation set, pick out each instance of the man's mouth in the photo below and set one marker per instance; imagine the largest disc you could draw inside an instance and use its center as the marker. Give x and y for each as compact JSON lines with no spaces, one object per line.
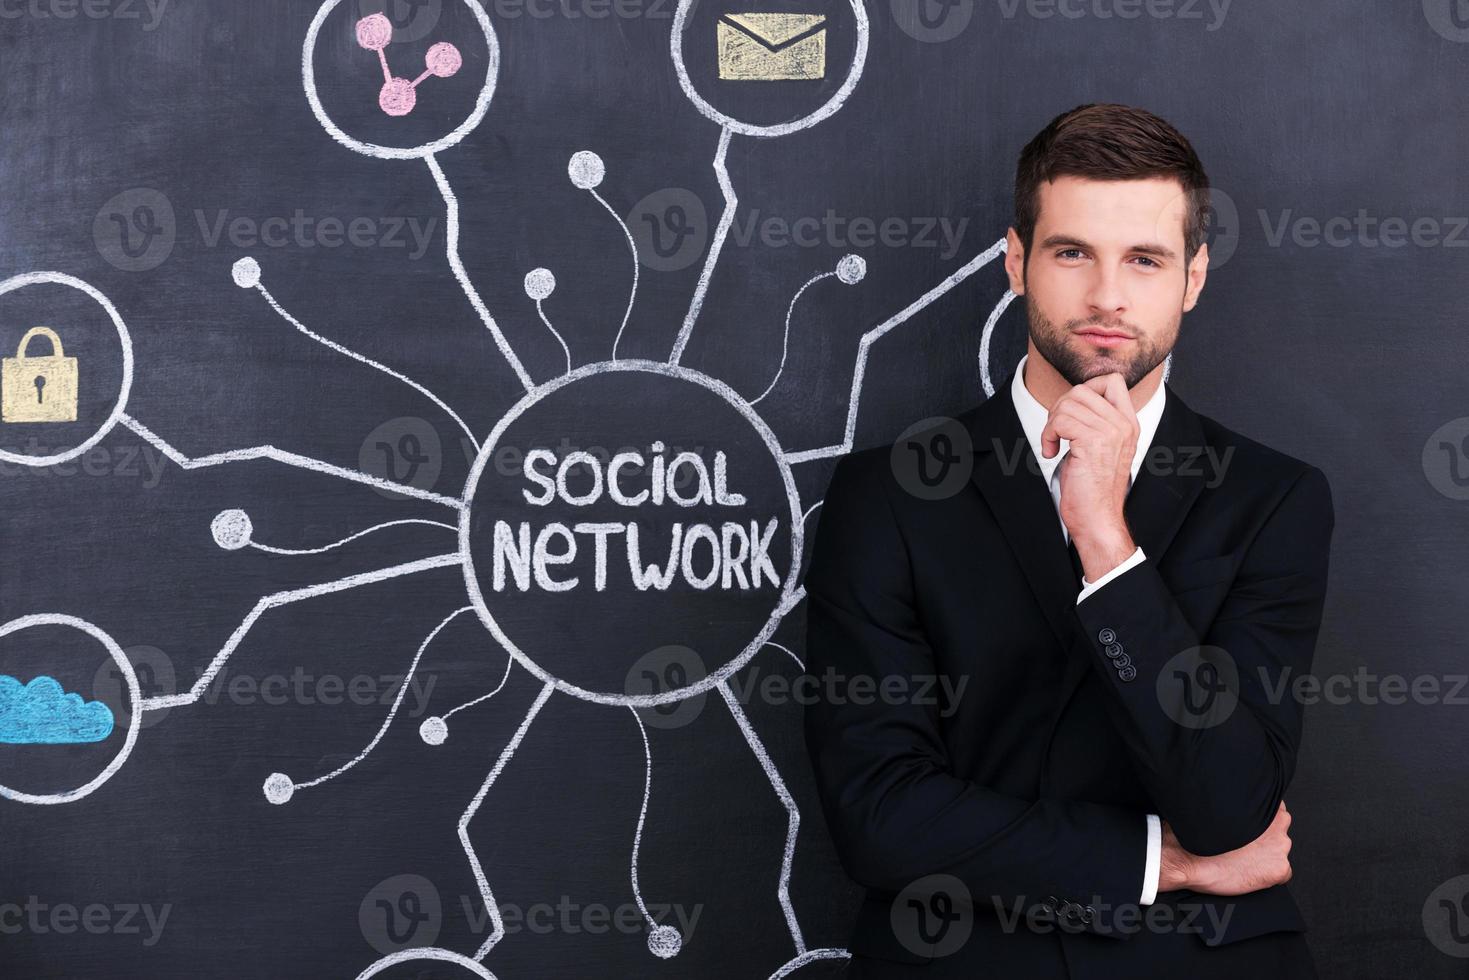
{"x":1104,"y":338}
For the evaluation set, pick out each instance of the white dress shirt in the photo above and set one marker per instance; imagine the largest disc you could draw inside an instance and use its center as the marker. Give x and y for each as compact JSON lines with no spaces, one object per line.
{"x":1033,"y":416}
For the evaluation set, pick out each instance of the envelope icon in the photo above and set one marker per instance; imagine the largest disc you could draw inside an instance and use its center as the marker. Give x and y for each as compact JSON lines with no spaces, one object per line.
{"x":771,"y":46}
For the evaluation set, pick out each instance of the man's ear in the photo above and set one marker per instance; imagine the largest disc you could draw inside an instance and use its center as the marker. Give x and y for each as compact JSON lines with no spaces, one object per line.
{"x":1198,"y":271}
{"x":1015,"y":262}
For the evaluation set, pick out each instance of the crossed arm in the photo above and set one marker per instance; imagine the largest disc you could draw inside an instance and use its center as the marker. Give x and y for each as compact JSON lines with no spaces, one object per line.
{"x":896,"y":808}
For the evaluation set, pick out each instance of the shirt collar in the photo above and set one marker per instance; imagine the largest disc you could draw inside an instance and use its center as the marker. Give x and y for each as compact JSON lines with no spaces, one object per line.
{"x":1033,"y":417}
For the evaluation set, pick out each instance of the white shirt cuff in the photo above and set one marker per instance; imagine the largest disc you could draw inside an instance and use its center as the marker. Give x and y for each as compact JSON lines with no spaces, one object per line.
{"x":1155,"y":860}
{"x":1087,"y":588}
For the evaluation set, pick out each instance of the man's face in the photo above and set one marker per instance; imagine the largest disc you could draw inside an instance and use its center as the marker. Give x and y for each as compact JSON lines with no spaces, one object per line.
{"x":1105,"y":282}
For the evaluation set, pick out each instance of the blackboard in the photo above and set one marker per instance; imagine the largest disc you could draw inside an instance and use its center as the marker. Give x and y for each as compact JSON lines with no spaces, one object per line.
{"x":318,"y":278}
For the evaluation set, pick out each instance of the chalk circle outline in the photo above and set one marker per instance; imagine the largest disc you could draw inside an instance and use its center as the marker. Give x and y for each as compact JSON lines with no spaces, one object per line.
{"x":422,"y":150}
{"x":826,"y":109}
{"x":635,"y":366}
{"x":124,"y":339}
{"x":135,"y":695}
{"x":429,"y":953}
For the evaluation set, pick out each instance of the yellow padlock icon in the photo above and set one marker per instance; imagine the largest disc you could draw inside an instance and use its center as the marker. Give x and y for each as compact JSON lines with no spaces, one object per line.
{"x":39,"y":389}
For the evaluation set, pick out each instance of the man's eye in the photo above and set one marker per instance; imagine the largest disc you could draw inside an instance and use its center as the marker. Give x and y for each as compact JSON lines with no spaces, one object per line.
{"x":1150,"y":262}
{"x":1069,"y":253}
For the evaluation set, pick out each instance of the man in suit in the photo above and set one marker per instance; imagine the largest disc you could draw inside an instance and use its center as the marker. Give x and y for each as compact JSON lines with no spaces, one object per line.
{"x":1077,"y":764}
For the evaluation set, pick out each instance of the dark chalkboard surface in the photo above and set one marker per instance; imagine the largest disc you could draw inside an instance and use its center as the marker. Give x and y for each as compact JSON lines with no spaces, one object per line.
{"x":447,"y":390}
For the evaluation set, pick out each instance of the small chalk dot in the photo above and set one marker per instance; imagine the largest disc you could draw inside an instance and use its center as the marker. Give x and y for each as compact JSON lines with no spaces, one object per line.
{"x":586,"y":169}
{"x":443,"y":59}
{"x":246,"y":273}
{"x":539,"y":283}
{"x":434,"y":730}
{"x":664,"y":942}
{"x":398,"y":97}
{"x":851,"y":269}
{"x":374,"y":32}
{"x":279,"y":788}
{"x":231,"y":529}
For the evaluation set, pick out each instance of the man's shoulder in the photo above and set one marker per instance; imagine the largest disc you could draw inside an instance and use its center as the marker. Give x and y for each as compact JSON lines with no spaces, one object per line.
{"x":1240,"y":462}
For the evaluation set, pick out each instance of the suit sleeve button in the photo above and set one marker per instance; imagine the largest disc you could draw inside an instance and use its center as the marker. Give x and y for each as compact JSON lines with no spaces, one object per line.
{"x":1122,"y":661}
{"x":1113,"y":650}
{"x":1107,"y":635}
{"x":1127,"y":673}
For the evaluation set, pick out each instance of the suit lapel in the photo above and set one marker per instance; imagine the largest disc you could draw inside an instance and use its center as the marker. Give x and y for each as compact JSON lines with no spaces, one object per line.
{"x":1006,"y":473}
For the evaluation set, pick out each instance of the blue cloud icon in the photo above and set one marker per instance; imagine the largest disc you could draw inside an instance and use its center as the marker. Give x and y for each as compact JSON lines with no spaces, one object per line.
{"x":41,"y":713}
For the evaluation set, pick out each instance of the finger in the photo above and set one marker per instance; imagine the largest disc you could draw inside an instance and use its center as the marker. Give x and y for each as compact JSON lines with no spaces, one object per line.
{"x":1071,"y":426}
{"x":1108,"y":396}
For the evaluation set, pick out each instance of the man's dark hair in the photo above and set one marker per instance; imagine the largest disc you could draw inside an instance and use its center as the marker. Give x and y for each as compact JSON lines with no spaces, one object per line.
{"x":1110,"y":142}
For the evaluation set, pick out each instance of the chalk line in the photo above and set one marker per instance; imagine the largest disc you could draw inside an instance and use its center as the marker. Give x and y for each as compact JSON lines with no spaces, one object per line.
{"x":984,"y":342}
{"x":479,"y":872}
{"x":451,"y":222}
{"x":340,"y":349}
{"x":351,"y":537}
{"x":393,"y":711}
{"x":555,"y":333}
{"x":509,"y":662}
{"x":637,"y":839}
{"x":872,"y":336}
{"x":286,"y":598}
{"x":633,"y":246}
{"x":289,"y":459}
{"x":793,"y":824}
{"x":790,"y":653}
{"x":810,"y":957}
{"x":726,"y":219}
{"x":786,"y":340}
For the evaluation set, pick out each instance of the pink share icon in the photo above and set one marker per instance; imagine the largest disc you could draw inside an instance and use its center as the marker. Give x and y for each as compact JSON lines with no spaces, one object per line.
{"x":398,"y":96}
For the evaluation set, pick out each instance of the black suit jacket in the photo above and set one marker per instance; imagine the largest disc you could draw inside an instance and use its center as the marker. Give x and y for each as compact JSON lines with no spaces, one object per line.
{"x":1029,"y":791}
